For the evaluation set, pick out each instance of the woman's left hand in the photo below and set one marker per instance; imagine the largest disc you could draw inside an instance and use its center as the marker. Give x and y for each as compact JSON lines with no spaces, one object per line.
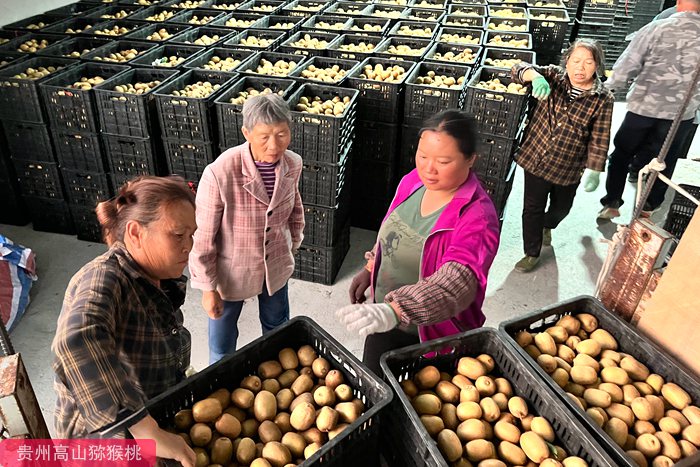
{"x":368,"y":318}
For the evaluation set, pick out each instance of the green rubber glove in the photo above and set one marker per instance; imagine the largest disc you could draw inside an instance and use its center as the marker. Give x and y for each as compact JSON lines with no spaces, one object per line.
{"x":540,"y":88}
{"x":592,"y":180}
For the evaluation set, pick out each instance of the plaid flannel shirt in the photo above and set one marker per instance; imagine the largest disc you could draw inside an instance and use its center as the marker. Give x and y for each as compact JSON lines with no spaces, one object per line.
{"x":564,"y":136}
{"x":119,"y":341}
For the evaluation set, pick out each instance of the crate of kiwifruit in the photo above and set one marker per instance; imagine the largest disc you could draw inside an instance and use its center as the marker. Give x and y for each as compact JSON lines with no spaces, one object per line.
{"x":626,"y":390}
{"x":294,"y":396}
{"x":470,"y":399}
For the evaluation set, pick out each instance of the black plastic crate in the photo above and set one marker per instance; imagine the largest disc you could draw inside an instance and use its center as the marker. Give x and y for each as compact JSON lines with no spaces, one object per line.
{"x":10,"y":58}
{"x":322,"y":63}
{"x":154,"y":57}
{"x":103,"y":54}
{"x":20,"y":98}
{"x":14,"y":210}
{"x":545,"y":4}
{"x":265,"y":7}
{"x":367,"y":26}
{"x":377,"y":142}
{"x":148,"y":33}
{"x":460,"y":21}
{"x":74,"y":47}
{"x":475,"y":10}
{"x":256,"y":39}
{"x":75,"y":10}
{"x":37,"y":178}
{"x":79,"y":151}
{"x":378,"y":100}
{"x":197,"y":4}
{"x":412,"y":445}
{"x":548,"y":34}
{"x":497,"y":11}
{"x":491,"y":54}
{"x":494,"y":156}
{"x":208,"y":36}
{"x":196,"y":17}
{"x":86,"y":225}
{"x":681,"y":211}
{"x":374,"y":179}
{"x":348,"y":8}
{"x":251,"y":66}
{"x":129,"y":157}
{"x":408,"y":145}
{"x":498,"y":189}
{"x":321,"y":184}
{"x":130,"y":114}
{"x":392,"y":12}
{"x":424,"y":15}
{"x":220,"y":54}
{"x":348,"y":45}
{"x":629,"y":341}
{"x":156,"y":14}
{"x":188,"y":159}
{"x":304,"y":8}
{"x":239,"y":21}
{"x":322,"y":138}
{"x":33,"y":23}
{"x":73,"y":26}
{"x":583,"y":29}
{"x":321,"y":265}
{"x":33,"y":43}
{"x":327,"y":23}
{"x":190,"y":118}
{"x":288,"y":24}
{"x":508,"y":25}
{"x":497,"y":113}
{"x":446,"y":53}
{"x":491,"y":41}
{"x":430,"y":4}
{"x":229,"y":117}
{"x":28,"y":141}
{"x":144,"y":3}
{"x":323,"y":225}
{"x":324,"y":40}
{"x":356,"y":445}
{"x":367,"y":212}
{"x":114,"y":12}
{"x":420,"y":30}
{"x":468,"y":36}
{"x":85,"y":188}
{"x":425,"y":100}
{"x":225,"y":5}
{"x":74,"y":109}
{"x":49,"y":215}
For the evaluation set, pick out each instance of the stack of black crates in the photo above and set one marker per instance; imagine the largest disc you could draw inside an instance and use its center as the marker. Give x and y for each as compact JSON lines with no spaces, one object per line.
{"x":549,"y":27}
{"x":681,"y":211}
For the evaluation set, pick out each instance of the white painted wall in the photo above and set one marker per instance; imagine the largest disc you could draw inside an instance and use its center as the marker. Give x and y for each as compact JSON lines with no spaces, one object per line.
{"x":15,"y":10}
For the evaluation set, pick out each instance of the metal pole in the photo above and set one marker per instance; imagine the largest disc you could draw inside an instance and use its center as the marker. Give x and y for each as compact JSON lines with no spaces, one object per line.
{"x":5,"y":342}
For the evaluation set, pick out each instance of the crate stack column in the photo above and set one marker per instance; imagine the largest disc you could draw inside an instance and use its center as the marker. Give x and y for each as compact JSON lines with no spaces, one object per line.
{"x":70,"y":102}
{"x":26,"y":129}
{"x":549,"y":30}
{"x":323,"y":135}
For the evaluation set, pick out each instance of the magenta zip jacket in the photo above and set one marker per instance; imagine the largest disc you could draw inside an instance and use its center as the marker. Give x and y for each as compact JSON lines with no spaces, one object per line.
{"x":467,"y":232}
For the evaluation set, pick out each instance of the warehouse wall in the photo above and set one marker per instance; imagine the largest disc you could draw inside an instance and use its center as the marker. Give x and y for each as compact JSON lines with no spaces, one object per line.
{"x":15,"y":10}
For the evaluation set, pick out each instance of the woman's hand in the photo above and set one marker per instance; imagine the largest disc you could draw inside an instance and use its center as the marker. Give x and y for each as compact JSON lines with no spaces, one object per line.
{"x":168,"y":445}
{"x":540,"y":88}
{"x":369,"y":318}
{"x":212,"y":303}
{"x":359,"y":285}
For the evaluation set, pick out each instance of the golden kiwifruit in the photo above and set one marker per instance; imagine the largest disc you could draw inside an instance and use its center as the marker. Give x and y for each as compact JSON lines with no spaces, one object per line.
{"x":207,"y":410}
{"x":288,"y":359}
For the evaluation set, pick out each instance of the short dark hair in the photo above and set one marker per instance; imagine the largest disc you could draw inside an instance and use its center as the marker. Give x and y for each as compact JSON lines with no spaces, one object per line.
{"x":594,"y":47}
{"x":458,"y":124}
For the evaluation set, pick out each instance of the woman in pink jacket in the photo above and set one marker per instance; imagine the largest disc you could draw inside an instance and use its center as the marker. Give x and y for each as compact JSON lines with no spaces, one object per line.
{"x":427,"y":272}
{"x":249,"y":223}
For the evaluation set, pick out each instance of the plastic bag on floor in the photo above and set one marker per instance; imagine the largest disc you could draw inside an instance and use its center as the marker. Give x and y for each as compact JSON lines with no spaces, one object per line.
{"x":17,"y":273}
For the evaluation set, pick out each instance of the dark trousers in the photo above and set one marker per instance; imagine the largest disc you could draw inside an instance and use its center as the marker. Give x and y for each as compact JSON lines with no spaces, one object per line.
{"x":682,"y":150}
{"x":537,"y":192}
{"x":639,"y":135}
{"x":377,"y":344}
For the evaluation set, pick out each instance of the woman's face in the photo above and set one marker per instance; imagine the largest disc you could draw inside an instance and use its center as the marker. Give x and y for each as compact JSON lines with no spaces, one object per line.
{"x":166,"y":243}
{"x":441,"y":165}
{"x":268,"y":142}
{"x":581,"y":67}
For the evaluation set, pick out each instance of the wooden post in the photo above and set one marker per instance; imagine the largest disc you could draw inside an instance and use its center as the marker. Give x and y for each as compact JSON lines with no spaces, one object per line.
{"x":20,"y":414}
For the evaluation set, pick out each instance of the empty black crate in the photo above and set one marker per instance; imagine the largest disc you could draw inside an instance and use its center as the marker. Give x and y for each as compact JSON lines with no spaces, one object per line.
{"x":151,"y":32}
{"x":85,"y":221}
{"x":379,"y":100}
{"x":373,"y":179}
{"x":497,"y":113}
{"x":74,"y":48}
{"x":407,"y":149}
{"x":681,"y":211}
{"x":295,"y":44}
{"x":79,"y":151}
{"x":446,"y":53}
{"x":253,"y":66}
{"x":388,"y":48}
{"x":129,"y":157}
{"x":40,"y":179}
{"x":28,"y":141}
{"x":425,"y":100}
{"x":189,"y":118}
{"x":159,"y":57}
{"x":349,"y":46}
{"x":506,"y":58}
{"x":409,"y":443}
{"x":85,"y":188}
{"x":73,"y":108}
{"x":129,"y":114}
{"x":498,"y":189}
{"x":376,"y":141}
{"x":630,"y":341}
{"x":103,"y":54}
{"x":494,"y":156}
{"x":49,"y":215}
{"x":220,"y":57}
{"x":548,"y":33}
{"x":19,"y":97}
{"x":321,"y":264}
{"x":321,"y":183}
{"x":322,"y":138}
{"x":188,"y":158}
{"x":345,"y":67}
{"x":229,"y":117}
{"x":324,"y":224}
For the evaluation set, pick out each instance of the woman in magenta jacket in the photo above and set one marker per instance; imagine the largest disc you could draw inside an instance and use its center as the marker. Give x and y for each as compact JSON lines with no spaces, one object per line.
{"x":428,"y":269}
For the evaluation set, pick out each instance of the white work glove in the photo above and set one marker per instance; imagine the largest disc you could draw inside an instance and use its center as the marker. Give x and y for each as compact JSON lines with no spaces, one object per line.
{"x":592,"y":180}
{"x":368,"y":318}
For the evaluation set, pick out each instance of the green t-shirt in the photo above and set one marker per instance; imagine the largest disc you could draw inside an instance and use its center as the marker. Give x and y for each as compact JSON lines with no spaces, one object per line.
{"x":401,"y":239}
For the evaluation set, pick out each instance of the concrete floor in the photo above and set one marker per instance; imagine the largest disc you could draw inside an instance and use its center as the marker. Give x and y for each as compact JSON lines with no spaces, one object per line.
{"x":568,"y":269}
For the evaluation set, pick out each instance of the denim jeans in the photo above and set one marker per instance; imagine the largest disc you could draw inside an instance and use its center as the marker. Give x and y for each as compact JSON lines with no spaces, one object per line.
{"x":223,"y":332}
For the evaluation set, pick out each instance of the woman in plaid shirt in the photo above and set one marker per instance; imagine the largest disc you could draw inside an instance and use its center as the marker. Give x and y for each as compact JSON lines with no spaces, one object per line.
{"x":120,"y":338}
{"x":569,"y":131}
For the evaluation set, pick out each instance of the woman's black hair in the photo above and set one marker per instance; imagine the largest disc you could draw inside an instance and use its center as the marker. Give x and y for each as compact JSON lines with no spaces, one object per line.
{"x":458,"y":124}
